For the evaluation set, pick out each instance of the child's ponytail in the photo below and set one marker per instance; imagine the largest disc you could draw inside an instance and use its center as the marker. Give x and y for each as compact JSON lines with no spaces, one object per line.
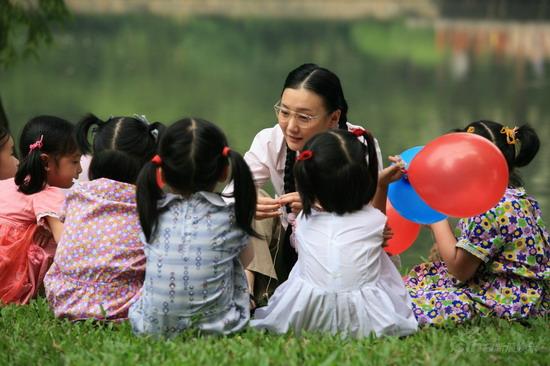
{"x":529,"y":145}
{"x":305,"y":184}
{"x":372,"y":158}
{"x":31,"y":174}
{"x":244,"y":191}
{"x":147,"y":194}
{"x":82,"y":131}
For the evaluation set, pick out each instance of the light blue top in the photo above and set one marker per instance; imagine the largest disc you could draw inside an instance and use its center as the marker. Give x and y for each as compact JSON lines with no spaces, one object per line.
{"x":193,"y":276}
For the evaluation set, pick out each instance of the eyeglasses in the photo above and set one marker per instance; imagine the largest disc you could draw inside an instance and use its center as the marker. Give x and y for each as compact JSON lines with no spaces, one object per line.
{"x":284,"y":114}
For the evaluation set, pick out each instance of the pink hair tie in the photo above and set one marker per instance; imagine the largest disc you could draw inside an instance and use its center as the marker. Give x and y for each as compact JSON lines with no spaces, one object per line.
{"x":226,"y":150}
{"x":37,"y":144}
{"x":305,"y":155}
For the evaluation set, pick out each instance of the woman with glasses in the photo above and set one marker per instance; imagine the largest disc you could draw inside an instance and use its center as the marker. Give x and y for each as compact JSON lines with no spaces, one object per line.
{"x":312,"y":101}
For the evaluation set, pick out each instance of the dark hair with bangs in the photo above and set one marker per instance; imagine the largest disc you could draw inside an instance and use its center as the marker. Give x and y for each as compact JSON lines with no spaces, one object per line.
{"x":337,"y":175}
{"x":58,"y":140}
{"x":517,"y":154}
{"x":120,"y":147}
{"x":192,"y":161}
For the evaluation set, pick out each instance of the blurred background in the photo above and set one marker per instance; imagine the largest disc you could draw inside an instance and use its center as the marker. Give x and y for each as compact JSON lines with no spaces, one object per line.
{"x":411,"y":69}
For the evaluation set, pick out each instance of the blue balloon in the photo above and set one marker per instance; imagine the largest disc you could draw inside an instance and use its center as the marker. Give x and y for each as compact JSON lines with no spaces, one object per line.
{"x":406,"y":201}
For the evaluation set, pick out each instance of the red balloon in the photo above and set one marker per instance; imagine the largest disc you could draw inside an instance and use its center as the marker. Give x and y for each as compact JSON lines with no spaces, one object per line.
{"x":405,"y":232}
{"x":459,"y":174}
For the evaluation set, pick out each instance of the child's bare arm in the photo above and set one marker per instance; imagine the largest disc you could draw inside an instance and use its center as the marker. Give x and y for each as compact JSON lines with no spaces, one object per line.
{"x":56,"y":227}
{"x":460,"y":263}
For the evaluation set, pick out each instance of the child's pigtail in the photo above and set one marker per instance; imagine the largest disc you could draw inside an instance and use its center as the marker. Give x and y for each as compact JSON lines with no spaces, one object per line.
{"x":373,"y":164}
{"x":147,"y":194}
{"x":529,"y":145}
{"x":304,"y":185}
{"x":244,"y":191}
{"x":82,"y":131}
{"x":31,"y":174}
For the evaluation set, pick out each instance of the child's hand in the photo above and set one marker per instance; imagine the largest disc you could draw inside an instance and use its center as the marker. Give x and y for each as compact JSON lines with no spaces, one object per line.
{"x":391,"y":173}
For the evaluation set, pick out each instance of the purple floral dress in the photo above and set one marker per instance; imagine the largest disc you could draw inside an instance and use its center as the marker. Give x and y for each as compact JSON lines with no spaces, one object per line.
{"x":513,"y":281}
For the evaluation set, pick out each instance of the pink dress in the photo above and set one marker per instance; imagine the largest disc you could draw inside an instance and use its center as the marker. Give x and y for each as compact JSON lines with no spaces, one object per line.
{"x":26,"y":244}
{"x":99,"y":265}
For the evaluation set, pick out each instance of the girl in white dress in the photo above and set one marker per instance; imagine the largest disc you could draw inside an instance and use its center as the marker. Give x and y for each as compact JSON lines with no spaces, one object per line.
{"x":343,"y":281}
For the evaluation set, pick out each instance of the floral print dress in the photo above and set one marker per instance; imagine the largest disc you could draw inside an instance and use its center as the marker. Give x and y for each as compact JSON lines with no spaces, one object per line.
{"x":99,"y":265}
{"x":513,"y":281}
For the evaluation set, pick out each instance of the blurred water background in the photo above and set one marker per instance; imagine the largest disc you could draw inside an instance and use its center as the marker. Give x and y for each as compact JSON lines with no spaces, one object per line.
{"x":411,"y":70}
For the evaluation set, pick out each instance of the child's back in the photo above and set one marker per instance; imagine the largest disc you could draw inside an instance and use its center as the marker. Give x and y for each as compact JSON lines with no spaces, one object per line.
{"x":193,"y":272}
{"x":99,"y":265}
{"x":343,"y":281}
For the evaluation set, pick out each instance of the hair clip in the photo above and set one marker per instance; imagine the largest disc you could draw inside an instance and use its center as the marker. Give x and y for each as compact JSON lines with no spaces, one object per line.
{"x":142,"y":118}
{"x":471,"y":129}
{"x":37,"y":144}
{"x":304,"y":155}
{"x":155,"y":133}
{"x":156,"y":160}
{"x":226,"y":150}
{"x":510,"y":134}
{"x":358,"y":132}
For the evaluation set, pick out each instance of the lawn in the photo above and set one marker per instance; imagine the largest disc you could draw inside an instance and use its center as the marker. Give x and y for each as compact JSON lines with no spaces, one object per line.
{"x":30,"y":335}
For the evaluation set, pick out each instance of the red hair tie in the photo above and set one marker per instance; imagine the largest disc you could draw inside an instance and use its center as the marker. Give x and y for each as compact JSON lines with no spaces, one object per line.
{"x":226,"y":150}
{"x":305,"y":155}
{"x":156,"y":160}
{"x":358,"y":132}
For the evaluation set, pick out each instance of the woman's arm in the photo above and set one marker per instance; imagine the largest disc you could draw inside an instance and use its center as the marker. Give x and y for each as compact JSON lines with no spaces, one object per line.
{"x":460,"y":263}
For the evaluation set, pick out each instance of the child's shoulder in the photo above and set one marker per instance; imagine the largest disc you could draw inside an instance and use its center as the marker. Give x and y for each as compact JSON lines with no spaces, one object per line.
{"x":105,"y":189}
{"x":201,"y":198}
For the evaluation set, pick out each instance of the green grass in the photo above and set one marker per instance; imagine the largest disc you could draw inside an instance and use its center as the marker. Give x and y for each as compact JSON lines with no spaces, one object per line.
{"x":30,"y":335}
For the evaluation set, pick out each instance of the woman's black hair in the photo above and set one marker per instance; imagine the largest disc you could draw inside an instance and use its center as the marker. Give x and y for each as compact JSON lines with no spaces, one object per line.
{"x":192,"y":160}
{"x":517,"y":154}
{"x":4,"y":136}
{"x":337,"y":175}
{"x":325,"y":84}
{"x":57,"y":140}
{"x":120,"y":147}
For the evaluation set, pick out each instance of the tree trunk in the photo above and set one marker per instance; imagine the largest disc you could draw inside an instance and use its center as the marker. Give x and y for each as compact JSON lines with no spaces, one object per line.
{"x":3,"y":117}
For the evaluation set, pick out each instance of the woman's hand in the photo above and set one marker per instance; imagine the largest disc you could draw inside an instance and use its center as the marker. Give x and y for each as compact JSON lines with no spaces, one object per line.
{"x":267,"y":207}
{"x":292,"y":199}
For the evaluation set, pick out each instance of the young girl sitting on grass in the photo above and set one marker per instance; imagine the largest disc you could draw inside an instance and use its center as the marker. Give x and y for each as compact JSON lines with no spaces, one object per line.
{"x":8,"y":161}
{"x":99,"y":264}
{"x":30,"y":206}
{"x":343,"y":281}
{"x":193,"y":276}
{"x":497,"y":265}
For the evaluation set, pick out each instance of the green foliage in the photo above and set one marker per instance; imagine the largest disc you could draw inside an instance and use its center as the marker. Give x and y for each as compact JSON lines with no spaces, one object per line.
{"x":30,"y":335}
{"x":25,"y":25}
{"x":394,"y":41}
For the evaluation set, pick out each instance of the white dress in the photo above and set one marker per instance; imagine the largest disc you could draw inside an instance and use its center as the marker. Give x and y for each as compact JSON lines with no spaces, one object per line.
{"x":343,"y":281}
